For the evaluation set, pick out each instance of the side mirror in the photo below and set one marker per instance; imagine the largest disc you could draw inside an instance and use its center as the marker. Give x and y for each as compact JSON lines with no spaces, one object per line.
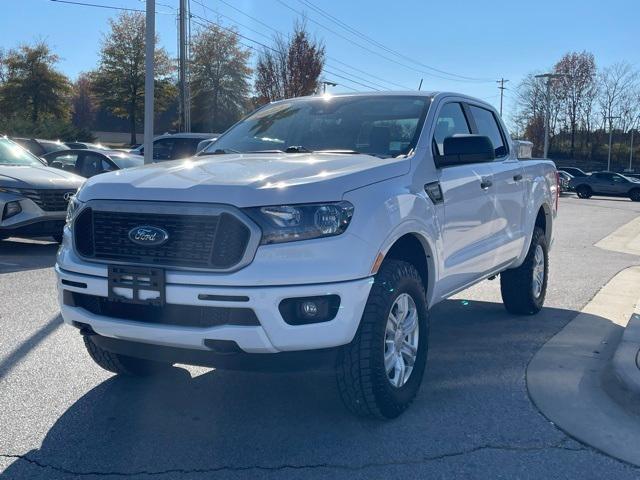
{"x":463,"y":149}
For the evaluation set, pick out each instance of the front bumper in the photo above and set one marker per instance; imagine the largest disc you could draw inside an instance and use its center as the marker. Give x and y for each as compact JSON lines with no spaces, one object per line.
{"x":273,"y":335}
{"x":32,"y":221}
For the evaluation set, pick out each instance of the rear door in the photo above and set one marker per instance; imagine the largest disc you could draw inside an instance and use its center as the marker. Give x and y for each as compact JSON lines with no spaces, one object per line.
{"x":469,"y":213}
{"x":509,"y":185}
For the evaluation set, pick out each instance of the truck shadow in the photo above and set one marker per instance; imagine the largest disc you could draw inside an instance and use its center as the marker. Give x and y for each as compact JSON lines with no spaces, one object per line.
{"x":214,"y":422}
{"x":17,"y":255}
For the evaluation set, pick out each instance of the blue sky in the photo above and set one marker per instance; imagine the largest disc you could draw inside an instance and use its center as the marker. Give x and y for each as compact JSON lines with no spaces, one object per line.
{"x":482,"y":39}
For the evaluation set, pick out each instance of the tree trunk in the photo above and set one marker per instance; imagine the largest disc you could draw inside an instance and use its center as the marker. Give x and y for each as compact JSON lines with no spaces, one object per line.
{"x":132,"y":127}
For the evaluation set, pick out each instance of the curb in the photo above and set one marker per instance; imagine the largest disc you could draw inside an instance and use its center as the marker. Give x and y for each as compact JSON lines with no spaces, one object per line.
{"x":626,"y":360}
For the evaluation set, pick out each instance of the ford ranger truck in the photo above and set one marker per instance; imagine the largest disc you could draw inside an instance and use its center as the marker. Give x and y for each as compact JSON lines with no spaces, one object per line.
{"x":316,"y":229}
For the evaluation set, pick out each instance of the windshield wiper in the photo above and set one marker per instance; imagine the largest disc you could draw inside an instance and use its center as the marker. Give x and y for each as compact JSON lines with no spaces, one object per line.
{"x":346,"y":151}
{"x":291,"y":149}
{"x":218,"y":151}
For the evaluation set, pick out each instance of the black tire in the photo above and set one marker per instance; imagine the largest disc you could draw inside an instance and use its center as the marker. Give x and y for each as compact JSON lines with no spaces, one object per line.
{"x":57,"y":237}
{"x":362,"y":380}
{"x":122,"y":364}
{"x":584,"y":191}
{"x":516,"y":284}
{"x":635,"y":195}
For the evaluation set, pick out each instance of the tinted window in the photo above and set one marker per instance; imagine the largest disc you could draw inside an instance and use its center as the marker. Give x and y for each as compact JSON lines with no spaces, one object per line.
{"x":604,"y":176}
{"x":488,"y":126}
{"x":124,"y":160}
{"x":162,"y":149}
{"x":380,"y":126}
{"x":451,"y":121}
{"x":63,"y":161}
{"x":91,"y":164}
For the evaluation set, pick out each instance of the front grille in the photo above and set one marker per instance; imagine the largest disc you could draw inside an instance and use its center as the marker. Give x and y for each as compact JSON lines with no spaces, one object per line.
{"x":200,"y":241}
{"x":169,"y":314}
{"x":48,"y":200}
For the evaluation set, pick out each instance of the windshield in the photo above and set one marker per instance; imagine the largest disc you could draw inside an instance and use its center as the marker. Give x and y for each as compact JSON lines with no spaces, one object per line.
{"x":381,"y":126}
{"x":126,"y":160}
{"x":13,"y":154}
{"x":52,"y":146}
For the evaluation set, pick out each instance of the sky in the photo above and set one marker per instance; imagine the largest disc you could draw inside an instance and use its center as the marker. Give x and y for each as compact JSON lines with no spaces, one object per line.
{"x":476,"y":42}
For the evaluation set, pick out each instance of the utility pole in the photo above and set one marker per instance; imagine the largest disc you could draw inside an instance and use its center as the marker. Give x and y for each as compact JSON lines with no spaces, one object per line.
{"x":150,"y":44}
{"x":185,"y":107}
{"x":547,"y":113}
{"x":502,"y":88}
{"x":324,"y":85}
{"x":631,"y":149}
{"x":611,"y":119}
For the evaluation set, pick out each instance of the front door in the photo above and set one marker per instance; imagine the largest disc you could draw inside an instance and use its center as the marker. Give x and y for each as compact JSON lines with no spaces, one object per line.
{"x":469,"y":215}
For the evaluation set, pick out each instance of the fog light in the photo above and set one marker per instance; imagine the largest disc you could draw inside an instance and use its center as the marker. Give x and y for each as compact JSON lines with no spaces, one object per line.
{"x":306,"y":310}
{"x":310,"y":309}
{"x":11,"y":209}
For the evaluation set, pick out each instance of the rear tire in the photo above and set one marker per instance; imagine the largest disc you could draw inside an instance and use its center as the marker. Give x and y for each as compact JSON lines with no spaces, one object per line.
{"x":378,"y":376}
{"x":635,"y":195}
{"x":584,"y":191}
{"x":524,"y":288}
{"x":122,"y":364}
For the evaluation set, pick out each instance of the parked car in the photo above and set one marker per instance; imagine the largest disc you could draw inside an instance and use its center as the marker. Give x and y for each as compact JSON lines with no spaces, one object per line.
{"x":608,"y":184}
{"x":39,"y":147}
{"x":33,"y":197}
{"x":86,"y":146}
{"x":574,"y":171}
{"x":322,"y":229}
{"x":175,"y":146}
{"x":565,"y":179}
{"x":88,"y":163}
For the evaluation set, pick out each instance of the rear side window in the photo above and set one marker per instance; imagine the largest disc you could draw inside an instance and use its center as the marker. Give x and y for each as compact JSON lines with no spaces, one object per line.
{"x":451,"y":121}
{"x":488,"y":126}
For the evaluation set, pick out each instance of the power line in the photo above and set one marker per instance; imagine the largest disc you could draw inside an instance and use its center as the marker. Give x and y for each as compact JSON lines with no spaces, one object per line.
{"x":378,"y":53}
{"x":372,"y":41}
{"x":109,"y":7}
{"x":332,"y":59}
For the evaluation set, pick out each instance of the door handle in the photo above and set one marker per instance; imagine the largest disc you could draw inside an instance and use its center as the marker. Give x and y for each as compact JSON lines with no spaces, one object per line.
{"x":517,"y":178}
{"x":485,"y":183}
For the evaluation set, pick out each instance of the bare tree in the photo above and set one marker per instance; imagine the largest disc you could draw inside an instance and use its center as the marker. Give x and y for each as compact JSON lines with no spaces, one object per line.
{"x":83,"y":104}
{"x":615,"y":85}
{"x":291,"y":68}
{"x":578,"y":80}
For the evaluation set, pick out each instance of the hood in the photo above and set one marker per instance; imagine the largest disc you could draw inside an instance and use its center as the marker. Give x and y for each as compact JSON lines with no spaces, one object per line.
{"x":38,"y":177}
{"x":246,"y":180}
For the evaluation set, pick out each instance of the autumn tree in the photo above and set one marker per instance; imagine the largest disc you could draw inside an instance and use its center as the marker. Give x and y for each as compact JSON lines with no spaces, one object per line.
{"x":576,"y":87}
{"x":615,"y":84}
{"x":32,"y":87}
{"x":219,"y":79}
{"x":119,"y":80}
{"x":83,"y":105}
{"x":291,"y":67}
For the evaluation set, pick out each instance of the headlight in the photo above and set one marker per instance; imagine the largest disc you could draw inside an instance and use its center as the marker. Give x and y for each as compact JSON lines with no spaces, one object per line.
{"x":288,"y":223}
{"x":72,"y":209}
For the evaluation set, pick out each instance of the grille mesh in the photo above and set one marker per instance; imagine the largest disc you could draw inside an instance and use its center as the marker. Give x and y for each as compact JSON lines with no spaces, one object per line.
{"x":48,"y":200}
{"x":200,"y":241}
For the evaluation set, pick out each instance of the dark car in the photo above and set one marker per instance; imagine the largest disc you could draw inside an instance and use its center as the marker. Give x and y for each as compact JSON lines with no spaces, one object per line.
{"x":565,"y":178}
{"x":86,"y":146}
{"x":574,"y":171}
{"x":40,"y":147}
{"x":88,"y":163}
{"x":608,"y":184}
{"x":176,"y":146}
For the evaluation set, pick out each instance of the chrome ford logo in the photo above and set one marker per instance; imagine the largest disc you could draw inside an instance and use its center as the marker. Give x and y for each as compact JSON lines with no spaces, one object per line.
{"x":148,"y":235}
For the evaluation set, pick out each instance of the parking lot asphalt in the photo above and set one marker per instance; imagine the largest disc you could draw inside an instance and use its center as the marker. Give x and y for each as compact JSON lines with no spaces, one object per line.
{"x":63,"y":417}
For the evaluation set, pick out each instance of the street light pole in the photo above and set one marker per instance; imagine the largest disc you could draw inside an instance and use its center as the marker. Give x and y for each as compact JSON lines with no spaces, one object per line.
{"x":150,"y":43}
{"x":631,"y":149}
{"x":547,"y":114}
{"x":611,"y":119}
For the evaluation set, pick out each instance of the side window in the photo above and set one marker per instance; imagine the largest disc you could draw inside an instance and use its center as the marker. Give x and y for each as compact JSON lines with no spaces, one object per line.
{"x":90,"y":165}
{"x":605,"y":177}
{"x":163,"y":149}
{"x":64,"y":161}
{"x":184,"y":147}
{"x":618,"y":179}
{"x":451,"y":121}
{"x":488,"y":126}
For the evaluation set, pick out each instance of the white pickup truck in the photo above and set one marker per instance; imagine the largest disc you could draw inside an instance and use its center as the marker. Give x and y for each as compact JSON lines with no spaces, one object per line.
{"x":316,"y":229}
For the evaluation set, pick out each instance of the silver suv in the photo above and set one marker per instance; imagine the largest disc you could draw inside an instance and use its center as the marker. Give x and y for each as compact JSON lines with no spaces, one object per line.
{"x":33,"y":196}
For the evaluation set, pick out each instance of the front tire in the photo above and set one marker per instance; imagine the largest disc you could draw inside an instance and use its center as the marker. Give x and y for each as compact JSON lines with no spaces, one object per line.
{"x":524,"y":288}
{"x":122,"y":364}
{"x":584,"y":191}
{"x":379,"y":373}
{"x":634,"y":195}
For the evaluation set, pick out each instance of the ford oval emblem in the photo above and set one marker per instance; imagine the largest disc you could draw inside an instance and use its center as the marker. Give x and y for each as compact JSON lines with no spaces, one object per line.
{"x":148,"y":236}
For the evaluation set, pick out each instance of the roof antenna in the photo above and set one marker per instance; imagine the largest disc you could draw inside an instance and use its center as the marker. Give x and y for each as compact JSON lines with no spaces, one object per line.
{"x":420,"y":86}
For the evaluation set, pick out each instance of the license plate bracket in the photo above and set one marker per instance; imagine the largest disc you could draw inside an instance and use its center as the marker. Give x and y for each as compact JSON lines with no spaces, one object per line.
{"x":137,"y":285}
